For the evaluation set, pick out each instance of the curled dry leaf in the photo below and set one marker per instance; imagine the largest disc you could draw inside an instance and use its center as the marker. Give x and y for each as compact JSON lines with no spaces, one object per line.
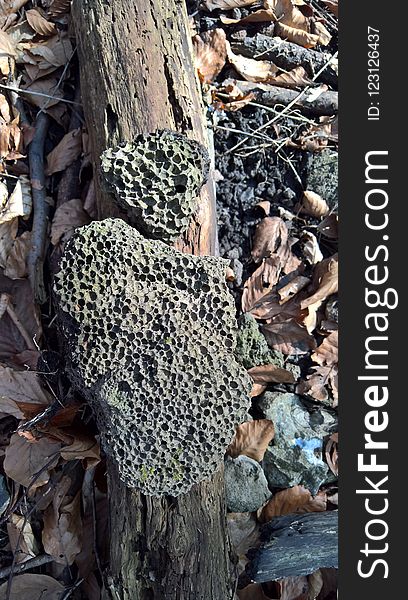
{"x":252,"y":439}
{"x":68,"y":217}
{"x":296,"y":499}
{"x":329,"y":227}
{"x":22,"y":540}
{"x":210,"y":53}
{"x":312,"y":204}
{"x":39,"y":23}
{"x":333,"y":6}
{"x":32,"y":586}
{"x":19,"y":390}
{"x":29,"y":463}
{"x":296,"y":78}
{"x":226,"y":4}
{"x":310,"y":320}
{"x":331,"y":452}
{"x":19,"y":204}
{"x":250,"y":69}
{"x":311,"y":248}
{"x":62,"y":532}
{"x":257,"y":390}
{"x":260,"y":283}
{"x":8,"y":232}
{"x":297,"y":36}
{"x":325,"y":281}
{"x":288,"y":336}
{"x":271,"y":237}
{"x":315,"y":384}
{"x":327,"y":354}
{"x":320,"y":30}
{"x":270,"y":374}
{"x":294,"y":286}
{"x":16,"y":264}
{"x":64,"y":154}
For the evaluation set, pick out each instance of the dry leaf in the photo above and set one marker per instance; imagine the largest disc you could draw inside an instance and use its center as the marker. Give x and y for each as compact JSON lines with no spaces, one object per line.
{"x":297,"y":499}
{"x":294,"y":286}
{"x":331,"y":452}
{"x":28,"y":463}
{"x":260,"y":283}
{"x":257,"y":390}
{"x":48,"y":87}
{"x":329,"y":227}
{"x":288,"y":336}
{"x":8,"y":232}
{"x":315,"y":582}
{"x":297,"y":36}
{"x":243,"y":530}
{"x":68,"y":217}
{"x":19,"y":203}
{"x":16,"y":264}
{"x":333,"y":6}
{"x":226,"y":4}
{"x":210,"y":53}
{"x":64,"y":154}
{"x":311,"y":248}
{"x":252,"y":439}
{"x":239,"y":103}
{"x":312,"y":204}
{"x":327,"y":354}
{"x":83,"y":447}
{"x":19,"y":388}
{"x":33,"y":586}
{"x":271,"y":236}
{"x":265,"y":205}
{"x":253,"y":591}
{"x":62,"y":532}
{"x":58,"y":7}
{"x":310,"y":321}
{"x":252,"y":70}
{"x":22,"y":540}
{"x":296,"y":78}
{"x":320,"y":30}
{"x":258,"y":16}
{"x":293,"y":588}
{"x":325,"y":281}
{"x":315,"y":384}
{"x":270,"y":374}
{"x":40,"y":23}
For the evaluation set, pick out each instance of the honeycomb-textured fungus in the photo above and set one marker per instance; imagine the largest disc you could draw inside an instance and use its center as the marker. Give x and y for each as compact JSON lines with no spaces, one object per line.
{"x":150,"y":337}
{"x":156,"y":179}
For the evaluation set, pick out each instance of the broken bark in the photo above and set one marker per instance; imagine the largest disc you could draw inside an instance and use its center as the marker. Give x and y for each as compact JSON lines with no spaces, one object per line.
{"x":137,"y":76}
{"x":294,"y":545}
{"x":326,"y":104}
{"x":285,"y":55}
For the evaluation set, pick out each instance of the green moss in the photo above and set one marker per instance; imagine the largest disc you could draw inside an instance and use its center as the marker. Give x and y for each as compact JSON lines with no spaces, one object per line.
{"x":252,"y":349}
{"x":146,"y":473}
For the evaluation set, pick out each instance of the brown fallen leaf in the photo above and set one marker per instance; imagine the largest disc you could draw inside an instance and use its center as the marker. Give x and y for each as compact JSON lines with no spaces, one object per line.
{"x":315,"y":384}
{"x":253,"y":591}
{"x":314,"y":138}
{"x":243,"y":529}
{"x":39,"y":23}
{"x":296,"y":499}
{"x":57,"y":8}
{"x":297,"y":36}
{"x":325,"y":281}
{"x":210,"y":53}
{"x":312,"y":204}
{"x":264,"y":205}
{"x":296,"y":78}
{"x":239,"y":103}
{"x":21,"y":537}
{"x":29,"y":463}
{"x":294,"y":286}
{"x":16,"y":263}
{"x":32,"y":586}
{"x":315,"y":583}
{"x":252,"y":439}
{"x":311,"y":248}
{"x":83,"y":447}
{"x":333,"y":6}
{"x":288,"y":336}
{"x":62,"y":532}
{"x":327,"y":354}
{"x":260,"y":283}
{"x":271,"y":237}
{"x":64,"y":154}
{"x":331,"y":452}
{"x":49,"y":87}
{"x":329,"y":227}
{"x":270,"y":374}
{"x":18,"y":204}
{"x":310,"y":320}
{"x":257,"y":390}
{"x":321,"y":31}
{"x":226,"y":4}
{"x":68,"y":217}
{"x":19,"y":388}
{"x":293,"y":588}
{"x":258,"y":71}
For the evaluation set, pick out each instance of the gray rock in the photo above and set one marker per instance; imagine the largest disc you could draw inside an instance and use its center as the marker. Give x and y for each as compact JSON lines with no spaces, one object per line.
{"x":252,"y":348}
{"x":322,"y":175}
{"x":246,"y":487}
{"x":295,"y":457}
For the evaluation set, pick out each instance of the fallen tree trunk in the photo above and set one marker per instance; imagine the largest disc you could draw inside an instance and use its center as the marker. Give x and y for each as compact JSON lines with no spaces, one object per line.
{"x":294,"y":545}
{"x":285,"y":55}
{"x":136,"y":77}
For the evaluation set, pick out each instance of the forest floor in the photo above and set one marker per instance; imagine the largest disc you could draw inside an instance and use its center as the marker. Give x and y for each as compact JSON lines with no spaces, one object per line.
{"x":269,"y":78}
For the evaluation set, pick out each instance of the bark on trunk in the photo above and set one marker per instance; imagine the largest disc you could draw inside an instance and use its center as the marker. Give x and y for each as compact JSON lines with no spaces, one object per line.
{"x":137,"y":76}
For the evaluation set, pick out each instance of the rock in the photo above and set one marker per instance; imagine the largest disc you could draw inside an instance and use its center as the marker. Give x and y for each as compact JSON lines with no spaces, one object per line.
{"x":252,"y":349}
{"x":322,"y":175}
{"x":296,"y":454}
{"x":246,"y":487}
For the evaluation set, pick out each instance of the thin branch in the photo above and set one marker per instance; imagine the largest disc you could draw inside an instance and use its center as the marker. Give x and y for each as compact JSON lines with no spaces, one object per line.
{"x":31,"y":563}
{"x":11,"y":88}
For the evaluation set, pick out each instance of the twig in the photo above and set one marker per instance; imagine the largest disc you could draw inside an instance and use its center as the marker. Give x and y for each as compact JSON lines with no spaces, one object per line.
{"x":11,"y":88}
{"x":32,"y":563}
{"x":285,"y":110}
{"x":24,"y":334}
{"x":35,"y":259}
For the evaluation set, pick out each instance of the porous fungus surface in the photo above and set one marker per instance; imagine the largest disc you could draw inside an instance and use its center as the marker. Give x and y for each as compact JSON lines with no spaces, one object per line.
{"x":150,"y":337}
{"x":156,"y":179}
